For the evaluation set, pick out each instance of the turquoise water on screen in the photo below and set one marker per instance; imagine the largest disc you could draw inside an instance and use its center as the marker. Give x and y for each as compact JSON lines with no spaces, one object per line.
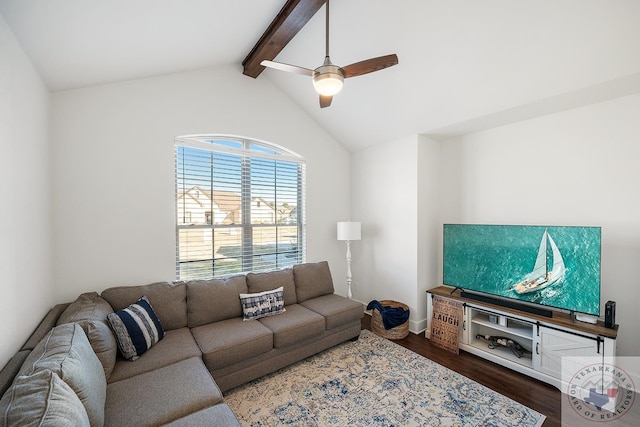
{"x":492,"y":258}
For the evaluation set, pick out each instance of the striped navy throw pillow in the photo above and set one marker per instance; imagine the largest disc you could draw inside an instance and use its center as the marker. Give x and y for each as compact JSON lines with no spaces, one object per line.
{"x":137,"y":328}
{"x":268,"y":303}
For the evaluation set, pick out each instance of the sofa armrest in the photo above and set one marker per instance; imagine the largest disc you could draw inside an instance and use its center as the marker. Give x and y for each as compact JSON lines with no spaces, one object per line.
{"x":10,"y":370}
{"x":45,"y":326}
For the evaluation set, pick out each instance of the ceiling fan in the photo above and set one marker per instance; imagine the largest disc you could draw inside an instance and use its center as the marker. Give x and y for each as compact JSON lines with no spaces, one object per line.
{"x":328,"y":78}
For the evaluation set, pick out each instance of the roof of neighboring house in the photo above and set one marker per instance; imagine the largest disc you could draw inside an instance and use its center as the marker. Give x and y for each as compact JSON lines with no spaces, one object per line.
{"x":227,"y":201}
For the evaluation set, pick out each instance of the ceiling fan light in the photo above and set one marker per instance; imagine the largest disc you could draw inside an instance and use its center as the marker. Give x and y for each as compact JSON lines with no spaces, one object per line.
{"x":328,"y":84}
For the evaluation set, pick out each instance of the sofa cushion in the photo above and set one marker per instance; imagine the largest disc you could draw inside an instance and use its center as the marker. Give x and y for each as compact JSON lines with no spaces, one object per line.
{"x":137,"y":328}
{"x":177,"y":345}
{"x":161,"y":396}
{"x":103,"y":343}
{"x":169,"y":301}
{"x":66,"y":351}
{"x":88,"y":306}
{"x":262,"y":304}
{"x":90,"y":311}
{"x":294,"y":325}
{"x":337,"y":310}
{"x":213,"y":300}
{"x":260,"y":282}
{"x":228,"y":341}
{"x":219,"y":415}
{"x":42,"y":399}
{"x":312,"y":280}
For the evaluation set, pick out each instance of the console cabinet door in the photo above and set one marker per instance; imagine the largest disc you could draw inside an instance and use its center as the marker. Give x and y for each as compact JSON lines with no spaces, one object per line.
{"x":552,"y":345}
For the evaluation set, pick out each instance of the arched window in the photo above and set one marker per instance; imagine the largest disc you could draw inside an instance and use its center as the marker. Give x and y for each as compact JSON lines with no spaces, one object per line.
{"x":239,"y":206}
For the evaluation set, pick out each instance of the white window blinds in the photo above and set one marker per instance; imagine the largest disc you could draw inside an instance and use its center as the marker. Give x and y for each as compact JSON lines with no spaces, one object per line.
{"x":239,"y":207}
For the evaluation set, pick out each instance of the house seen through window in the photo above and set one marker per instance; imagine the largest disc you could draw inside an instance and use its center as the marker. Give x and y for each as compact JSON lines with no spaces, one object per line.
{"x":239,"y":206}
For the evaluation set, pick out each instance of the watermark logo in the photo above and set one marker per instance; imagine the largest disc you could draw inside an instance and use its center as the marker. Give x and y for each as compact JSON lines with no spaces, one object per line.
{"x":601,"y":392}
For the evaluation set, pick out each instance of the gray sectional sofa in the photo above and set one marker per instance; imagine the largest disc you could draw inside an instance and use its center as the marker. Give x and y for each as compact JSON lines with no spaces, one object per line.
{"x":70,"y":372}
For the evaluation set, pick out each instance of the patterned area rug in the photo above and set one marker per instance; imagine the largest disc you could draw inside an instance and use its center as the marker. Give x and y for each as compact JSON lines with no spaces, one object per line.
{"x":373,"y":382}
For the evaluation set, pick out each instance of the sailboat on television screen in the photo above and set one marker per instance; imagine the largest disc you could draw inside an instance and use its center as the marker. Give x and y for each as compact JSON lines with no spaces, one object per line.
{"x":542,"y":276}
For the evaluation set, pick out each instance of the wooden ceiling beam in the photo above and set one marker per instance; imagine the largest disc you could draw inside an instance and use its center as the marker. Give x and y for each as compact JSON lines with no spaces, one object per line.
{"x":291,"y":18}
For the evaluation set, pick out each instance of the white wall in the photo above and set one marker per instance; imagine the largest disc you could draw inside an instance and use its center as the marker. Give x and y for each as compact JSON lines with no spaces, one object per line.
{"x":385,"y":199}
{"x":429,"y":229}
{"x":25,"y":175}
{"x":114,"y":221}
{"x":395,"y":188}
{"x":578,"y":167}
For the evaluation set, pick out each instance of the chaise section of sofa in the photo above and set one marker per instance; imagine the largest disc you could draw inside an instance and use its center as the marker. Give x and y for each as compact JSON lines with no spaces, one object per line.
{"x":162,"y":395}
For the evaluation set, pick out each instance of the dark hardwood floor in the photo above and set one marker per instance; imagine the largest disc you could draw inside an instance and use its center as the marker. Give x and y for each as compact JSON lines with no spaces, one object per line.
{"x":535,"y":394}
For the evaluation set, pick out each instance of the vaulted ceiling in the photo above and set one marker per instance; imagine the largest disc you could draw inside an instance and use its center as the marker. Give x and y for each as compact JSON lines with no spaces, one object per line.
{"x":465,"y":65}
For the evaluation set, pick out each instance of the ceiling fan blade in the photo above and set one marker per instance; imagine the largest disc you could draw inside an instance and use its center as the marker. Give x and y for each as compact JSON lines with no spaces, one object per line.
{"x":286,"y":67}
{"x":325,"y":101}
{"x":370,"y":65}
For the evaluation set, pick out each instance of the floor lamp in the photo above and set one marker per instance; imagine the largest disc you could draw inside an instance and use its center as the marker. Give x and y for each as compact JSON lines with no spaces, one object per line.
{"x":349,"y":231}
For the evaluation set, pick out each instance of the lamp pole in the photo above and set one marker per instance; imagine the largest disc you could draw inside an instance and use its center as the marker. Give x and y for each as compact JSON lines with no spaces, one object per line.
{"x":348,"y":232}
{"x":349,"y":295}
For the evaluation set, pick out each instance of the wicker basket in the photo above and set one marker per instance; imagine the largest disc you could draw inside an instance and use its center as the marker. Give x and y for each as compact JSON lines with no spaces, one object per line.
{"x":395,"y":333}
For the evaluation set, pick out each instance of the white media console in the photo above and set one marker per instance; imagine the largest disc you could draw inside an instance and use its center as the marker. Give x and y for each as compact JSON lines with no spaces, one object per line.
{"x":546,"y":341}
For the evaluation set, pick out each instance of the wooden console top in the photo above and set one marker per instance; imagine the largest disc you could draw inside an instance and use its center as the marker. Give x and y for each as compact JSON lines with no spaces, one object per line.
{"x":558,"y":319}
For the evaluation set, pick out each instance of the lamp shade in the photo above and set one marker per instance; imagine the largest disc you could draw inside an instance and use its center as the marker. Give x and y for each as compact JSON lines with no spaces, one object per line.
{"x":349,"y":231}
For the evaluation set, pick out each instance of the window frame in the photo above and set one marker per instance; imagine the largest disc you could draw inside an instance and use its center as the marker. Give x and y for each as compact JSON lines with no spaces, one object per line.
{"x":250,"y":149}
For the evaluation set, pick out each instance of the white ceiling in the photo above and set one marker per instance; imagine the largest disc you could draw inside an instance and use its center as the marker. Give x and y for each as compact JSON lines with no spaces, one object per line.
{"x":465,"y":65}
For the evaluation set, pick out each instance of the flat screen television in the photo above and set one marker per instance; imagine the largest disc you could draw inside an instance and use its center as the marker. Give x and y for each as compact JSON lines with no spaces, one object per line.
{"x":552,"y":266}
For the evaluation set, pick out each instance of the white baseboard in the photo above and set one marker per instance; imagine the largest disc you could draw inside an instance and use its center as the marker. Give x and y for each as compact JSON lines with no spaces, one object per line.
{"x":418,"y":327}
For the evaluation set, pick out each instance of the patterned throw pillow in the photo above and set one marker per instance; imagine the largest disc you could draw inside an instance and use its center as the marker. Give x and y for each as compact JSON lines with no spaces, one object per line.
{"x":267,"y":303}
{"x":137,"y":328}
